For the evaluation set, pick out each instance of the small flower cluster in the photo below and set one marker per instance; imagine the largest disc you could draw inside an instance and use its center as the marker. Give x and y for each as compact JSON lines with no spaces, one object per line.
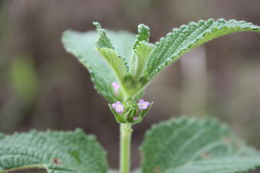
{"x":129,"y":111}
{"x":119,"y":107}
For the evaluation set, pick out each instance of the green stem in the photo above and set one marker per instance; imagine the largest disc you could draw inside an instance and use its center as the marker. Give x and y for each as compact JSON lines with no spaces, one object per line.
{"x":125,"y":146}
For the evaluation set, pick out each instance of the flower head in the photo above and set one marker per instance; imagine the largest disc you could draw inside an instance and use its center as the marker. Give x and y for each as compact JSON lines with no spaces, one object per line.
{"x":116,"y":87}
{"x":143,"y":104}
{"x":118,"y":106}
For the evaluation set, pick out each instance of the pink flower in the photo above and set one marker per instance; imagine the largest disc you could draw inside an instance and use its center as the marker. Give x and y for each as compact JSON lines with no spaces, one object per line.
{"x":136,"y":118}
{"x":143,"y":104}
{"x":116,"y":87}
{"x":118,"y":106}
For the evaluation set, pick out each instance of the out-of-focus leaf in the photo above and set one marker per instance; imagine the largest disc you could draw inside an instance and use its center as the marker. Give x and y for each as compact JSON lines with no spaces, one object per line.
{"x":56,"y":152}
{"x":196,"y":146}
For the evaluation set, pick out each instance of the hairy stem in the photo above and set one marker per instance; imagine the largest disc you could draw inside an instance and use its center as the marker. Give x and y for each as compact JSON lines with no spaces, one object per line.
{"x":125,"y":147}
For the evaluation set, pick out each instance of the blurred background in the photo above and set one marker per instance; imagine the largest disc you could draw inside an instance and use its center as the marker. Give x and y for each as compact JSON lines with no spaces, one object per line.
{"x":43,"y":87}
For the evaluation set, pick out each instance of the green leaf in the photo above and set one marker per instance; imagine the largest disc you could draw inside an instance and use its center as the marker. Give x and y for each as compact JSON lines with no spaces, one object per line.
{"x":141,"y":55}
{"x":196,"y":146}
{"x":183,"y":39}
{"x":82,"y":46}
{"x":142,"y":49}
{"x":133,"y":62}
{"x":57,"y":152}
{"x":143,"y":34}
{"x":106,"y":49}
{"x":115,"y":61}
{"x":103,"y":40}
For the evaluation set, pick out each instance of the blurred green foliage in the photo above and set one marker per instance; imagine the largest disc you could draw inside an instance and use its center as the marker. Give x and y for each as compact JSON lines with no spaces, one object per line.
{"x":24,"y":78}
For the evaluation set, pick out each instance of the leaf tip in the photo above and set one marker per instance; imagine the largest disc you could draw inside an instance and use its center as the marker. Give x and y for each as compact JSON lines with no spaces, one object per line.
{"x":98,"y":27}
{"x":143,"y":27}
{"x":97,"y":24}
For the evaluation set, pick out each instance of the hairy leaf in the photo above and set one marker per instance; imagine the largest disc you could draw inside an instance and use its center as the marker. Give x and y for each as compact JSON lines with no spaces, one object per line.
{"x":182,"y":39}
{"x":197,"y":146}
{"x":115,"y":61}
{"x":57,"y":152}
{"x":141,"y":55}
{"x":82,"y":45}
{"x":106,"y":49}
{"x":143,"y":34}
{"x":103,"y":41}
{"x":133,"y":61}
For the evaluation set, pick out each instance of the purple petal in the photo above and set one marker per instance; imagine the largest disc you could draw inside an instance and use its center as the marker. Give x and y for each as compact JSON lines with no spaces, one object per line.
{"x":143,"y":104}
{"x":136,"y":118}
{"x":141,"y":101}
{"x":118,"y":107}
{"x":116,"y":87}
